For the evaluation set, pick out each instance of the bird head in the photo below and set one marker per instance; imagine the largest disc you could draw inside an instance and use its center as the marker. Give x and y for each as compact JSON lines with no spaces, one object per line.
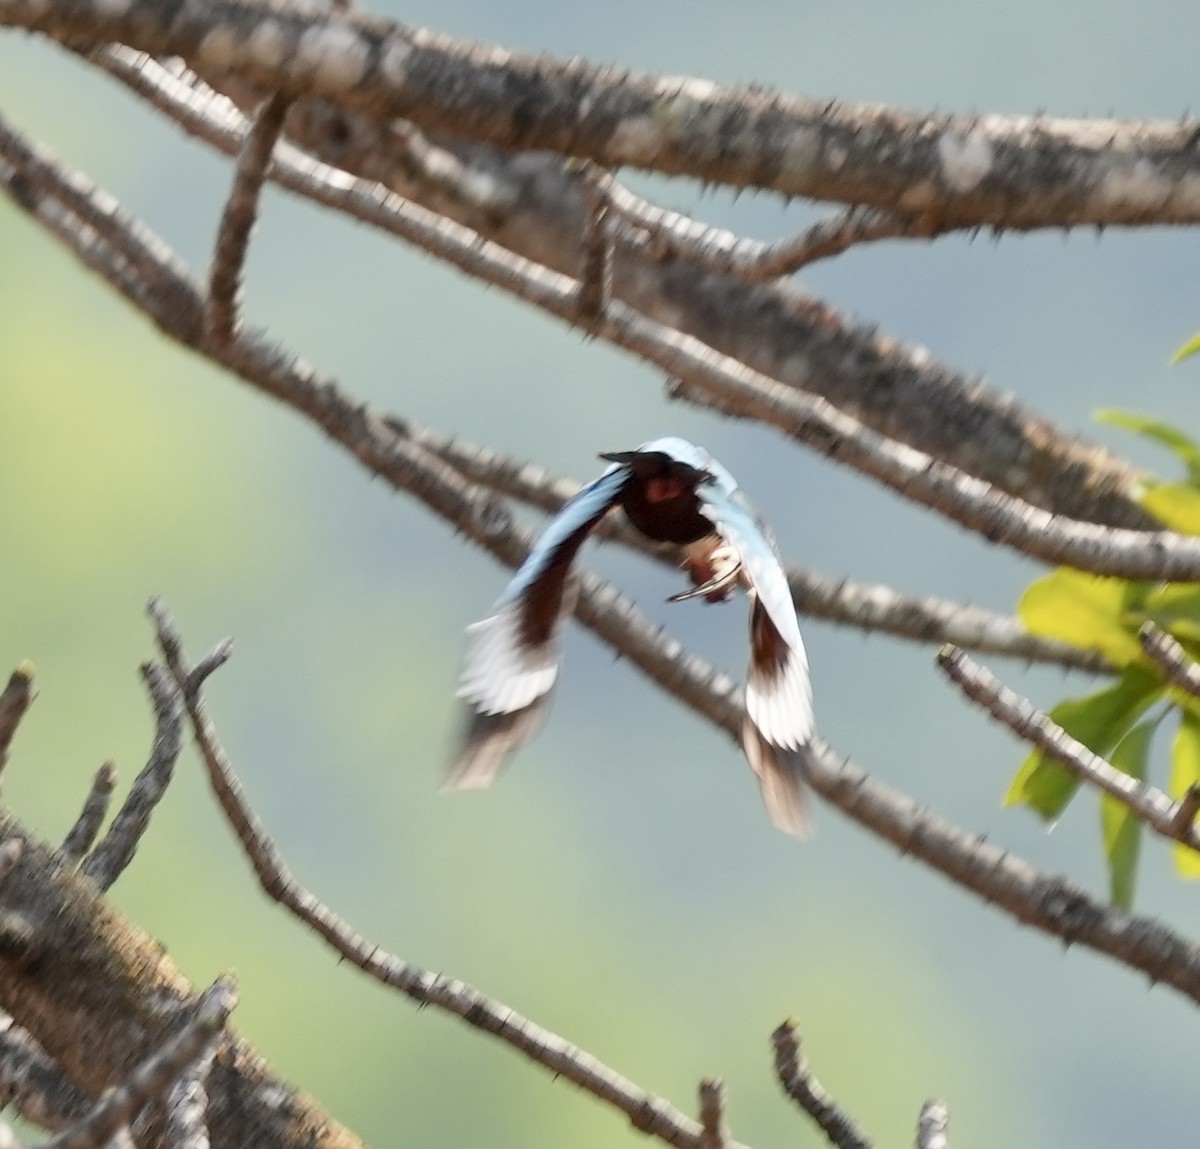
{"x":662,"y":475}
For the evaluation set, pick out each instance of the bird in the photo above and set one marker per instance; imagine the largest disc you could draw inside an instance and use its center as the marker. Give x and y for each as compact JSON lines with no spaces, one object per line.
{"x":672,"y":492}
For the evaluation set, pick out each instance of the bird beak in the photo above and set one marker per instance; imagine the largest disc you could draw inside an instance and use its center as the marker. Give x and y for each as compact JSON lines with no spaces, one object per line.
{"x":619,"y":456}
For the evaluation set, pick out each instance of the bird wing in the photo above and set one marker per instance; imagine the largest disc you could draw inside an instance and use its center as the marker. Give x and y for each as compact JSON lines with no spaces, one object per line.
{"x":512,"y":655}
{"x":779,"y":708}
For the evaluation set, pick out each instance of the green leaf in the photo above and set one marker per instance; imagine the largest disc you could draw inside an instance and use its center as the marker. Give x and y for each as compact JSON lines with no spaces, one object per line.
{"x":1121,"y":827}
{"x":1186,"y":449}
{"x":1188,"y":349}
{"x":1099,"y":721}
{"x":1175,"y":505}
{"x":1086,"y":610}
{"x":1185,"y":773}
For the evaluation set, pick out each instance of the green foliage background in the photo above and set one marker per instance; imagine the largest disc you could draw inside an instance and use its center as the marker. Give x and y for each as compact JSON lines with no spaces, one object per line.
{"x":622,"y":885}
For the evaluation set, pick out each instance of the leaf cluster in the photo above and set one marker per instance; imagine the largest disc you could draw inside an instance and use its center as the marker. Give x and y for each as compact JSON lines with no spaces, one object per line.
{"x":1119,"y":721}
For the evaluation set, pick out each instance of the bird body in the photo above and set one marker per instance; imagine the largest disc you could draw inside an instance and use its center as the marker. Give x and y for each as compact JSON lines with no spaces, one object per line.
{"x":672,"y":492}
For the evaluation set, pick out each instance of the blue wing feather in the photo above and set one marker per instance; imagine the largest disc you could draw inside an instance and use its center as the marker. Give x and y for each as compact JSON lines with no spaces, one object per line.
{"x":511,"y":662}
{"x":779,"y":709}
{"x":590,"y":502}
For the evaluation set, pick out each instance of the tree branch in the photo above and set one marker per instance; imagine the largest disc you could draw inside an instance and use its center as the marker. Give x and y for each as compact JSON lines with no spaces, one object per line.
{"x":1170,"y":657}
{"x":103,"y":997}
{"x":791,"y":1067}
{"x":109,"y":859}
{"x":1010,"y":709}
{"x":83,"y":834}
{"x":1009,"y":172}
{"x":33,"y":1084}
{"x":14,"y":701}
{"x":1052,"y":904}
{"x":699,"y":373}
{"x":532,"y":206}
{"x":151,"y":1080}
{"x":237,"y":220}
{"x":650,"y":1114}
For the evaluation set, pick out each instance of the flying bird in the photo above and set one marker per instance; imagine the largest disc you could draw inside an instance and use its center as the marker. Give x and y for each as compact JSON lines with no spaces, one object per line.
{"x":672,"y":492}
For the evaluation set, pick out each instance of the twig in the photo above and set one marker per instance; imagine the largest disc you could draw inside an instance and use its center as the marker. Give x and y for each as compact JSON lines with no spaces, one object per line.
{"x":34,"y":1084}
{"x":672,"y":233}
{"x":108,"y":860}
{"x":712,"y":1114}
{"x":1171,"y":658}
{"x":1009,"y":708}
{"x":237,"y":221}
{"x":596,"y":274}
{"x":10,"y":855}
{"x":150,"y":1080}
{"x":14,"y":701}
{"x":187,"y":1104}
{"x":791,"y":1067}
{"x":82,"y":835}
{"x":932,"y":1126}
{"x":1048,"y":901}
{"x":650,"y":1114}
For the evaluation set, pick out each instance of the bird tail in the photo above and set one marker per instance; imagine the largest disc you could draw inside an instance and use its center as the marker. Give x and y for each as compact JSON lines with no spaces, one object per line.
{"x":780,"y":774}
{"x":506,"y":685}
{"x":779,"y":720}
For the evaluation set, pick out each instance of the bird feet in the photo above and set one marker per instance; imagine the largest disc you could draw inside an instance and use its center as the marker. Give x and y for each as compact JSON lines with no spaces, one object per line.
{"x":714,"y":569}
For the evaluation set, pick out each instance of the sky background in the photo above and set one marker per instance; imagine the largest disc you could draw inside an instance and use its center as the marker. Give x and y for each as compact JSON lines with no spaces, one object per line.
{"x":622,"y":884}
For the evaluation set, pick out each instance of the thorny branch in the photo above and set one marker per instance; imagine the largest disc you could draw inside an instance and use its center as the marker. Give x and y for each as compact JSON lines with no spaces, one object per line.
{"x":650,"y":1114}
{"x":791,"y":1067}
{"x":700,"y":374}
{"x":1051,"y":903}
{"x":237,"y":221}
{"x":14,"y":701}
{"x":105,"y":864}
{"x":533,"y":206}
{"x":941,"y":174}
{"x":1012,"y":172}
{"x":154,"y":1076}
{"x":1148,"y":802}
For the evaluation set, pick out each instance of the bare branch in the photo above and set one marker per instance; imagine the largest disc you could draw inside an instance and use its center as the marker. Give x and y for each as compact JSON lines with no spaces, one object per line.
{"x":595,"y":277}
{"x":10,"y":855}
{"x":14,"y":701}
{"x":33,"y":1084}
{"x":650,"y":1114}
{"x":700,"y":374}
{"x":82,"y":835}
{"x":1149,"y":803}
{"x":532,"y":206}
{"x":187,"y":1105}
{"x":154,"y":1076}
{"x":1051,"y":903}
{"x":712,"y":1114}
{"x":108,"y":860}
{"x":672,"y":234}
{"x":103,"y":996}
{"x":1009,"y":172}
{"x":932,"y":1126}
{"x":1171,"y":658}
{"x":791,"y":1067}
{"x":237,"y":221}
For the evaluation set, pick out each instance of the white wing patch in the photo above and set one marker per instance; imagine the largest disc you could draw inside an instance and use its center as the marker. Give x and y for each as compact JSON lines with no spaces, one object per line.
{"x":499,"y":675}
{"x":779,"y":701}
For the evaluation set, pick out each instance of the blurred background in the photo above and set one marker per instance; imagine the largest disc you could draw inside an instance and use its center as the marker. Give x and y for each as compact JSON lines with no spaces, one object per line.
{"x":622,"y":885}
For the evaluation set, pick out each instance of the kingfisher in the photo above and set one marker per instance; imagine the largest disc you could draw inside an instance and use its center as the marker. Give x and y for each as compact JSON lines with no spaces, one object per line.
{"x":672,"y":492}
